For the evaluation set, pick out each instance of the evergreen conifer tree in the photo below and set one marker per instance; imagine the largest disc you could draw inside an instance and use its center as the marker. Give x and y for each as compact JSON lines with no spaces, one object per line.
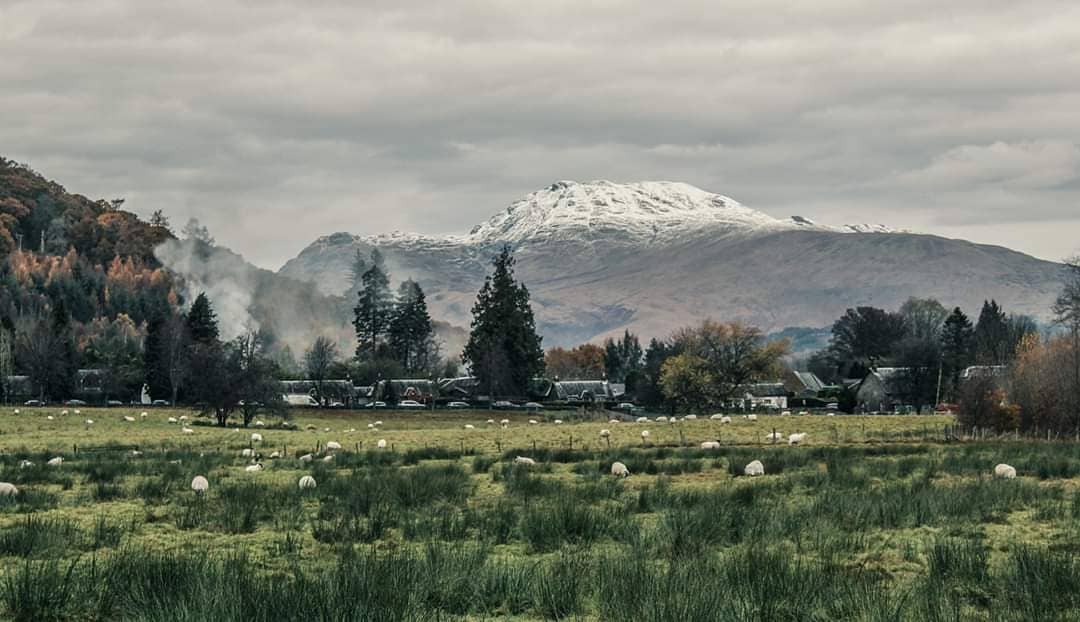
{"x":957,"y":337}
{"x":373,"y":310}
{"x":411,"y":335}
{"x":201,"y":321}
{"x":504,"y":351}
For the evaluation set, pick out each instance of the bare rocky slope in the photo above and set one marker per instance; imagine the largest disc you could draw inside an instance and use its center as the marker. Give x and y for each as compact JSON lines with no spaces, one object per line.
{"x":601,"y":257}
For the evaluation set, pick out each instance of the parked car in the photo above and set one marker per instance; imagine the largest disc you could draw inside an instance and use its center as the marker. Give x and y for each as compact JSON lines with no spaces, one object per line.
{"x":75,"y":403}
{"x":33,"y":403}
{"x":336,"y":405}
{"x":114,"y":403}
{"x":159,"y":403}
{"x":832,"y":406}
{"x":376,"y":405}
{"x":533,"y":406}
{"x":504,"y":405}
{"x":458,"y":405}
{"x":410,"y":404}
{"x":627,"y":406}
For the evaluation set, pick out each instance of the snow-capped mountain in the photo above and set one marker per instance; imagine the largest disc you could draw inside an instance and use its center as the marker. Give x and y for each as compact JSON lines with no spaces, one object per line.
{"x":600,"y":256}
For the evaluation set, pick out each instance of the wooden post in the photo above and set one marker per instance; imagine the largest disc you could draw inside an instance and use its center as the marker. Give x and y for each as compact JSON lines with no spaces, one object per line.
{"x":571,"y":442}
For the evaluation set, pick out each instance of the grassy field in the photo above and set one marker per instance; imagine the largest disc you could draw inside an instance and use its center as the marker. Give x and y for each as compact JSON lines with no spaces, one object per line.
{"x":871,"y":518}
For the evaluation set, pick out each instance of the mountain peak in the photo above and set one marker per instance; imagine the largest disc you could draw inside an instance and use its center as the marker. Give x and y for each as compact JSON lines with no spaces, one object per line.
{"x":639,"y":210}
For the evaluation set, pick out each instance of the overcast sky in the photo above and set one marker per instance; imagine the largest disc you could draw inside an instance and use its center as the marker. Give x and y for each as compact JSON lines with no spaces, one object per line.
{"x":277,"y":122}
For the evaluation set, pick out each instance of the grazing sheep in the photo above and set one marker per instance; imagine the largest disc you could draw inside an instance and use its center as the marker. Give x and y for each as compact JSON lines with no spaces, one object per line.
{"x":25,"y":464}
{"x":613,"y":421}
{"x":8,"y":490}
{"x":307,"y":482}
{"x":247,"y":453}
{"x":754,"y":469}
{"x":504,"y":423}
{"x":491,"y":422}
{"x":77,"y":412}
{"x":751,"y":417}
{"x":381,"y":444}
{"x":710,"y":445}
{"x":144,"y":414}
{"x":182,"y":417}
{"x":256,"y":437}
{"x":725,"y":420}
{"x":236,"y":429}
{"x":558,"y":422}
{"x":644,"y":434}
{"x":135,"y":453}
{"x":57,"y":461}
{"x":690,"y":417}
{"x":605,"y":433}
{"x":378,"y":423}
{"x":795,"y":439}
{"x":371,"y":426}
{"x":533,"y":422}
{"x":307,"y":458}
{"x":326,"y":429}
{"x":89,"y":422}
{"x":619,"y":469}
{"x":187,"y":430}
{"x":172,"y":419}
{"x":469,"y":426}
{"x":642,"y":420}
{"x":803,"y":413}
{"x":310,"y":428}
{"x":200,"y":485}
{"x":333,"y":445}
{"x":129,"y":419}
{"x":16,"y":411}
{"x":259,"y":424}
{"x":274,"y":455}
{"x":786,"y":413}
{"x":774,"y":437}
{"x":254,"y":468}
{"x":329,"y":458}
{"x":661,"y":419}
{"x":525,"y":461}
{"x":717,"y":417}
{"x":50,"y":417}
{"x":830,"y":414}
{"x":1004,"y":471}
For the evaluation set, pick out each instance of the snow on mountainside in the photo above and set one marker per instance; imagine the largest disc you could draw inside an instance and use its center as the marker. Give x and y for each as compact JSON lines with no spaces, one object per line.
{"x":600,"y":257}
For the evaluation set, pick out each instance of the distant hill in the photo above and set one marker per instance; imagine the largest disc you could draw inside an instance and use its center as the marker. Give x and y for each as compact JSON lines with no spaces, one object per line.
{"x":602,"y":257}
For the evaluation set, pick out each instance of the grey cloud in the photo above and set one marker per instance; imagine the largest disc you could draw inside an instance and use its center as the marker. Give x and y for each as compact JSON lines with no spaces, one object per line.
{"x":276,"y":122}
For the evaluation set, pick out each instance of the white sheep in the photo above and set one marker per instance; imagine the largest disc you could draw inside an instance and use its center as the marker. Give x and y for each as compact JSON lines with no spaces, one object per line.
{"x":605,"y":433}
{"x":16,"y":411}
{"x":830,"y":414}
{"x":307,"y":482}
{"x":558,"y":422}
{"x":89,"y":422}
{"x":642,"y":420}
{"x":77,"y":412}
{"x":533,"y":422}
{"x":469,"y":426}
{"x":307,"y":458}
{"x":254,"y":468}
{"x":57,"y":461}
{"x":661,"y":419}
{"x":186,"y":430}
{"x":8,"y":489}
{"x":129,"y":419}
{"x":135,"y":453}
{"x":256,"y":437}
{"x":182,"y":417}
{"x":524,"y":461}
{"x":710,"y":445}
{"x":172,"y":419}
{"x":795,"y":439}
{"x":716,"y":417}
{"x":786,"y":413}
{"x":1004,"y":471}
{"x":690,"y":417}
{"x":144,"y":414}
{"x":378,"y":423}
{"x":25,"y":464}
{"x":259,"y":424}
{"x":333,"y":445}
{"x":644,"y":434}
{"x":751,"y":417}
{"x":274,"y":455}
{"x":329,"y":458}
{"x":50,"y":417}
{"x":613,"y":421}
{"x":754,"y":469}
{"x":247,"y":453}
{"x":491,"y":422}
{"x":199,"y":484}
{"x":371,"y":426}
{"x":381,"y":444}
{"x":774,"y":437}
{"x":619,"y":469}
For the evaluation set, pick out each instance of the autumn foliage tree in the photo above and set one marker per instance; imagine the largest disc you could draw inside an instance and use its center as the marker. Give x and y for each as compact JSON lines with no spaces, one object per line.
{"x":584,"y":362}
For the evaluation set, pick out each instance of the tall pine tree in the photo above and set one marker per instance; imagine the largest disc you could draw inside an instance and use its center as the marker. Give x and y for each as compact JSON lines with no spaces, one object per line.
{"x":504,"y":351}
{"x":992,"y":335}
{"x":957,"y":344}
{"x":373,"y":310}
{"x":201,"y":321}
{"x":411,"y":335}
